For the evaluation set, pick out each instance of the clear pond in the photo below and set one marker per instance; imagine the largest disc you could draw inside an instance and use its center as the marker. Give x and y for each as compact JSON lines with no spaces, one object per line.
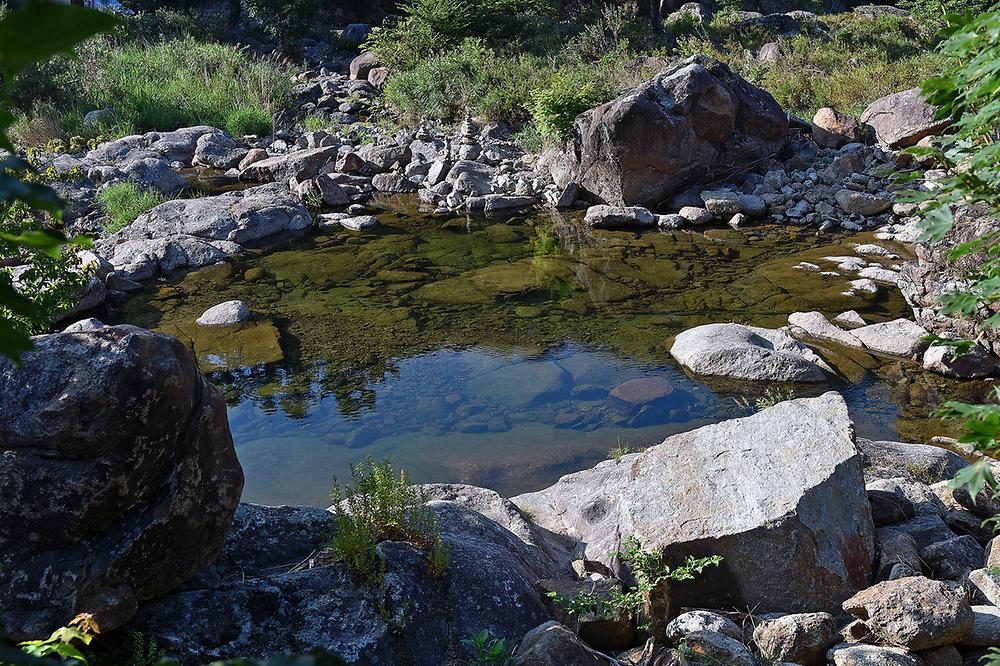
{"x":504,"y":353}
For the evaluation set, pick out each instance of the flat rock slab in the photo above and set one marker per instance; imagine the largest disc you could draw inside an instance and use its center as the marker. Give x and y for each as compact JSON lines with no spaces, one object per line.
{"x":747,"y":352}
{"x":899,"y":337}
{"x":779,"y":495}
{"x":190,"y":233}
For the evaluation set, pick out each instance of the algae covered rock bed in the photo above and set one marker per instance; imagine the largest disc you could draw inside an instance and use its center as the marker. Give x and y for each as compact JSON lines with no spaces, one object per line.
{"x":504,"y":354}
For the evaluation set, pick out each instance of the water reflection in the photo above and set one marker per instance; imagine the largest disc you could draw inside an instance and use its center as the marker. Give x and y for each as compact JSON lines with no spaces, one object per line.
{"x":502,"y":354}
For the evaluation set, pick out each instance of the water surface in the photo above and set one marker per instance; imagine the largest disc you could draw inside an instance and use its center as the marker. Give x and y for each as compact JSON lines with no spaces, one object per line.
{"x":489,"y":352}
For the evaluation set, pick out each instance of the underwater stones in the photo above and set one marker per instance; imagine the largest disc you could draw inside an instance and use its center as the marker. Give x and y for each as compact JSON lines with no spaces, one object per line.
{"x":638,"y":392}
{"x":458,"y":290}
{"x":521,"y":384}
{"x":225,"y":314}
{"x":618,"y":217}
{"x":747,"y":352}
{"x":779,"y":494}
{"x":143,"y":502}
{"x":249,"y":344}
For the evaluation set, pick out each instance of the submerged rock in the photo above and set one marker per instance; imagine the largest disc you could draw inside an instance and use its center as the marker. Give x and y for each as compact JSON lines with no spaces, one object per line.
{"x":779,"y":494}
{"x":747,"y":352}
{"x":118,"y":478}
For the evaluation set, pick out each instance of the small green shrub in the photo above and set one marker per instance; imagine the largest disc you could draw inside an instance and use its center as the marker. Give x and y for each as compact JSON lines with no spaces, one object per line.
{"x":316,"y":123}
{"x":382,"y":505}
{"x":650,"y":572}
{"x":124,"y":202}
{"x":487,"y":650}
{"x":556,"y":106}
{"x":244,"y":120}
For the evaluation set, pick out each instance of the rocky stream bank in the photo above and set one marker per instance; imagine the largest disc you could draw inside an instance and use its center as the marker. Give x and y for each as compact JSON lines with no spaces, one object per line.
{"x":836,"y":549}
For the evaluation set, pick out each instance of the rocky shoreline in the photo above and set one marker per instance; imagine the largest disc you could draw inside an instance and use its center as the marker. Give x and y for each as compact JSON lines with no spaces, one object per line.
{"x":835,"y":549}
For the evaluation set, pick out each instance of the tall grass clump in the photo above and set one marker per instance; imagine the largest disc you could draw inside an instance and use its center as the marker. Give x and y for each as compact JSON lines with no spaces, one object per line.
{"x":123,"y":202}
{"x":382,"y":505}
{"x":185,"y":82}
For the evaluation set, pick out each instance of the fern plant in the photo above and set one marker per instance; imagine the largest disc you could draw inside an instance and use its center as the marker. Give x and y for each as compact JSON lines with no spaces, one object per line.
{"x":382,"y":505}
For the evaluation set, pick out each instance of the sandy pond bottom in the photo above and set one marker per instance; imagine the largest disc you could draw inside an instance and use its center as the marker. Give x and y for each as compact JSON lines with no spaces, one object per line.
{"x":504,"y":354}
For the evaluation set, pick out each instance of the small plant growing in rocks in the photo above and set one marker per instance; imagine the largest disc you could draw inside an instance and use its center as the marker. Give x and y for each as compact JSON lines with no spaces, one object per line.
{"x":650,"y":572}
{"x":771,"y":397}
{"x":487,"y":650}
{"x":383,"y":505}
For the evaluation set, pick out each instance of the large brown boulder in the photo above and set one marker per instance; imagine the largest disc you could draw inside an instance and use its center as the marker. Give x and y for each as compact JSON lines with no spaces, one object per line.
{"x":118,"y":476}
{"x":779,"y":494}
{"x":916,"y":613}
{"x":694,"y":117}
{"x":902,"y":119}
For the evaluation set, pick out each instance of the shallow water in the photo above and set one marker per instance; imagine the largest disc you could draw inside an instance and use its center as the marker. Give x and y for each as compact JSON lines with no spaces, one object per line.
{"x":487,"y":352}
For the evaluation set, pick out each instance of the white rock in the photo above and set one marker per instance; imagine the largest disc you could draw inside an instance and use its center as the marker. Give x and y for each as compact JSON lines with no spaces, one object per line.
{"x":899,"y":337}
{"x":225,"y":314}
{"x":747,"y":352}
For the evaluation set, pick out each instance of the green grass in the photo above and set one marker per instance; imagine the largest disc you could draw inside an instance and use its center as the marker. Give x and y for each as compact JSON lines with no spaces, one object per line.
{"x":158,"y":86}
{"x":124,"y":202}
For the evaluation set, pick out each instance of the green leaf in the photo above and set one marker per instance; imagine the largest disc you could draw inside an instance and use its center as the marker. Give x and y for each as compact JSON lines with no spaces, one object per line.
{"x":46,"y":241}
{"x":975,"y":477}
{"x":936,"y":224}
{"x":40,"y":30}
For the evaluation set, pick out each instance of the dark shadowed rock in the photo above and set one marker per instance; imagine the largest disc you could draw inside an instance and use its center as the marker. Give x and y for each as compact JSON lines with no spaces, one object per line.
{"x":275,"y":590}
{"x":553,"y":644}
{"x":642,"y":147}
{"x":118,"y":478}
{"x":778,"y":494}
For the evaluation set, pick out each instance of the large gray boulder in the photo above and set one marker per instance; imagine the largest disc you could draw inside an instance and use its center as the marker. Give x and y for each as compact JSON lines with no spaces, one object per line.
{"x":902,"y":119}
{"x":302,"y":165}
{"x":180,"y":145}
{"x":747,"y":352}
{"x":189,"y":233}
{"x":694,"y":116}
{"x":118,"y":476}
{"x":256,"y":602}
{"x":779,"y":495}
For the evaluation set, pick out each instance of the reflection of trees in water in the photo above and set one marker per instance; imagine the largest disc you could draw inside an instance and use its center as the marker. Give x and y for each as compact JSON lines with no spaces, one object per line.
{"x":298,"y":389}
